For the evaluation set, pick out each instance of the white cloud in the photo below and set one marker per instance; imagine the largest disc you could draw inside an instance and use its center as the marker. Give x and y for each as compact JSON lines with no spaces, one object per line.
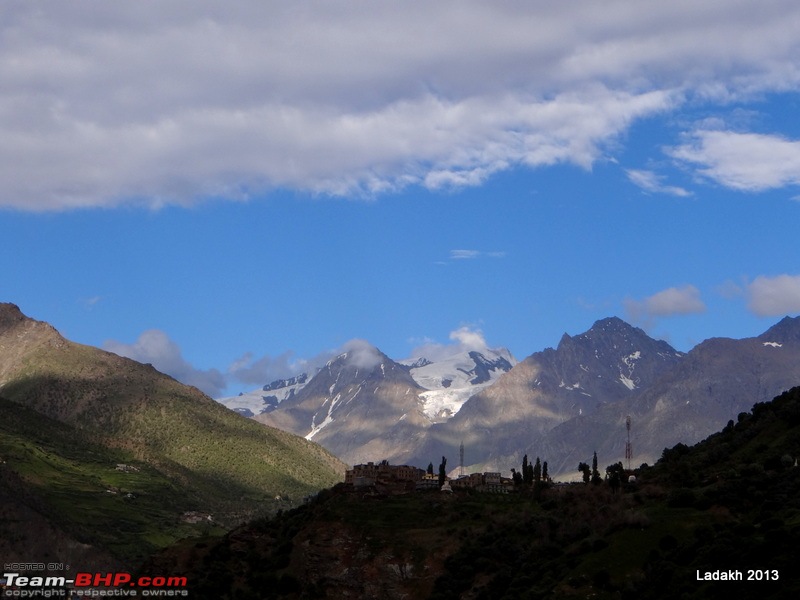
{"x":774,"y":296}
{"x":464,"y":339}
{"x":252,"y":370}
{"x":749,"y":162}
{"x":165,"y":102}
{"x":464,"y":254}
{"x":259,"y":371}
{"x":651,"y":182}
{"x":362,"y":354}
{"x":684,"y":300}
{"x":471,"y":254}
{"x":469,"y":339}
{"x":155,"y":347}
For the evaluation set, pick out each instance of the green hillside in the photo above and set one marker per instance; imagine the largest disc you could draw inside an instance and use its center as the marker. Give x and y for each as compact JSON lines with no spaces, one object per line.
{"x":730,"y":503}
{"x":73,"y":412}
{"x":128,"y":511}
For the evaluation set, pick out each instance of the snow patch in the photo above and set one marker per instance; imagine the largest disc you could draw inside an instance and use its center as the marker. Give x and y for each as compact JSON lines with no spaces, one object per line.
{"x":315,"y":429}
{"x":449,"y":380}
{"x":443,"y":404}
{"x":773,"y":344}
{"x":630,"y":362}
{"x":627,"y":382}
{"x":263,"y":399}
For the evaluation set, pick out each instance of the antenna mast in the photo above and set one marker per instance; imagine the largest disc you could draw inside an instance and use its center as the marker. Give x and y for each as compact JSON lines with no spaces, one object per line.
{"x":628,"y":448}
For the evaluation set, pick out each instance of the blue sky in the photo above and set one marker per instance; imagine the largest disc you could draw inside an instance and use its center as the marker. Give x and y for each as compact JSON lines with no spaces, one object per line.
{"x":233,"y":195}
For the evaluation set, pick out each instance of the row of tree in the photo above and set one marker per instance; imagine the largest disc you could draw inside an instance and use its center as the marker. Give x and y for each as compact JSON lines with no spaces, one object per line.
{"x":615,"y":474}
{"x":532,"y":473}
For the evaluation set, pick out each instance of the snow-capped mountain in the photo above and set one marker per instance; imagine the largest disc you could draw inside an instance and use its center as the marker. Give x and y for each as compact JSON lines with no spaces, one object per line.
{"x":563,"y":404}
{"x":361,"y":404}
{"x":610,"y":362}
{"x":448,"y":382}
{"x":452,"y":380}
{"x":267,"y":398}
{"x":560,"y":403}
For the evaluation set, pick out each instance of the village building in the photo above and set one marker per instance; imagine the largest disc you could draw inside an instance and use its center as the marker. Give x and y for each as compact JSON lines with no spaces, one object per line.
{"x":403,"y":478}
{"x":489,"y":482}
{"x":429,"y":481}
{"x":383,"y":473}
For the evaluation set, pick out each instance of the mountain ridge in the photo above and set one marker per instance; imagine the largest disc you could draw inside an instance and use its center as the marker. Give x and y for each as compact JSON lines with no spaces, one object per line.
{"x":567,"y":401}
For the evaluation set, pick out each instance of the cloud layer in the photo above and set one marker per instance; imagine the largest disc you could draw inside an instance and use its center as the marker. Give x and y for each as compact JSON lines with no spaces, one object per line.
{"x":167,"y":102}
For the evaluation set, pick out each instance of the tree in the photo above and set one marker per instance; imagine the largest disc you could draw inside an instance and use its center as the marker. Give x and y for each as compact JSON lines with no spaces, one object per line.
{"x":537,"y":472}
{"x":615,"y":475}
{"x":586,"y":471}
{"x":545,"y":475}
{"x":525,"y":465}
{"x":596,"y":479}
{"x":516,"y":477}
{"x":442,"y":471}
{"x":430,"y":468}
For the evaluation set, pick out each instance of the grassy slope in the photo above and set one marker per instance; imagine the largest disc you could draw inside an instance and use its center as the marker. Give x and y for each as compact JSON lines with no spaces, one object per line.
{"x":121,"y":403}
{"x":98,"y":409}
{"x":75,"y":483}
{"x":731,"y":502}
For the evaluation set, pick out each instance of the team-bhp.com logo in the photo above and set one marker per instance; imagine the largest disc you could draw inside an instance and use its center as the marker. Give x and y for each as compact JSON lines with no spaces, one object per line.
{"x":92,"y":585}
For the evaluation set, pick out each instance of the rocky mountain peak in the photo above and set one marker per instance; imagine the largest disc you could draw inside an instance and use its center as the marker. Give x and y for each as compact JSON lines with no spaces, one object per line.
{"x":10,"y":315}
{"x":785,"y":331}
{"x":485,"y":366}
{"x":605,"y":363}
{"x":279,"y":384}
{"x":613,"y":337}
{"x":360,"y":360}
{"x":33,"y":332}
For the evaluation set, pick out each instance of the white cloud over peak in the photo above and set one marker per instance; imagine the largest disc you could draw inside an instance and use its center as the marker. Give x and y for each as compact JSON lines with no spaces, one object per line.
{"x":774,"y":296}
{"x":684,"y":300}
{"x":749,"y":162}
{"x":464,"y":339}
{"x":362,"y":354}
{"x":469,"y":339}
{"x":266,"y":369}
{"x":166,"y":102}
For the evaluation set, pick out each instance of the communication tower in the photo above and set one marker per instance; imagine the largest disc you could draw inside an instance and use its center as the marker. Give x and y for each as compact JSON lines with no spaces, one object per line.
{"x":628,"y":448}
